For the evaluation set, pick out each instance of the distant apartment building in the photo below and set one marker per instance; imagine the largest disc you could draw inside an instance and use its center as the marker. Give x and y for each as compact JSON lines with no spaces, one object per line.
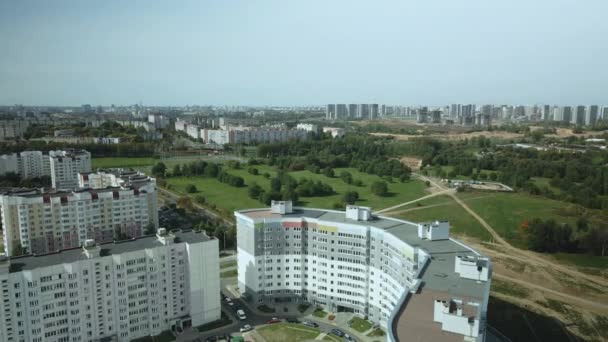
{"x":592,"y":115}
{"x":62,"y":166}
{"x":307,"y":127}
{"x":251,"y":135}
{"x":66,"y":165}
{"x":43,"y":221}
{"x":158,"y":121}
{"x":13,"y":129}
{"x":410,"y":278}
{"x":106,"y":140}
{"x":579,"y":116}
{"x":114,"y":291}
{"x":335,"y":132}
{"x":330,"y":112}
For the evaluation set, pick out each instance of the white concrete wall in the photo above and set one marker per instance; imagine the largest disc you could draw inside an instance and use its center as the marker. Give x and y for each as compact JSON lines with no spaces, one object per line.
{"x":204,"y":275}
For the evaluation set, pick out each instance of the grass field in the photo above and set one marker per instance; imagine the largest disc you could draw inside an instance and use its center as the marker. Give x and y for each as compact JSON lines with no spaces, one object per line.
{"x":444,"y":208}
{"x":330,"y":337}
{"x":544,"y":182}
{"x":582,"y":260}
{"x":509,"y":289}
{"x":229,"y":274}
{"x":230,"y":198}
{"x":280,"y":332}
{"x":360,"y":324}
{"x":506,"y":211}
{"x":226,"y":264}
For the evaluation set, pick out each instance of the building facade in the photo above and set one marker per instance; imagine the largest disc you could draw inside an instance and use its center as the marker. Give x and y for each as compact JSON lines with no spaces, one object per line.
{"x":38,"y":221}
{"x":62,"y":166}
{"x":383,"y":269}
{"x":111,"y":291}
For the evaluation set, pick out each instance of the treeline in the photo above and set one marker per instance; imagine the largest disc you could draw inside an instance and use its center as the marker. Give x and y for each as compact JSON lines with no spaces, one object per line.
{"x":199,"y":168}
{"x":548,"y":236}
{"x":366,"y":153}
{"x":137,"y":149}
{"x":285,"y":187}
{"x":13,"y":180}
{"x":580,"y":178}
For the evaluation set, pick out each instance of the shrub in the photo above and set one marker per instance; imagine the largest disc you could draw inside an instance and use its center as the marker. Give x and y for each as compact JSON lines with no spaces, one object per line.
{"x":191,"y":188}
{"x":379,"y":188}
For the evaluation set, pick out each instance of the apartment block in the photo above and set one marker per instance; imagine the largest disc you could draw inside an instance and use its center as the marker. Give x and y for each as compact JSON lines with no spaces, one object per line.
{"x":410,"y":278}
{"x":116,"y":291}
{"x":62,"y":166}
{"x":40,"y":221}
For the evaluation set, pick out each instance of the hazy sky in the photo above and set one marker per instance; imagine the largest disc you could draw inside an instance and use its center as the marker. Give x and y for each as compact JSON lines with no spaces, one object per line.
{"x":303,"y":52}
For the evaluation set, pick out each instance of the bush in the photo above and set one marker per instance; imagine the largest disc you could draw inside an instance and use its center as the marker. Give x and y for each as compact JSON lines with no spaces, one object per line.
{"x":191,"y":188}
{"x":253,"y":171}
{"x":379,"y":188}
{"x":350,"y":197}
{"x":200,"y":199}
{"x":346,"y":177}
{"x":328,"y":172}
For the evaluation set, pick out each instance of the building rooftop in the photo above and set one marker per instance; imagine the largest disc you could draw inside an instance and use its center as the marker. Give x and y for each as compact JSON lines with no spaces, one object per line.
{"x":31,"y":262}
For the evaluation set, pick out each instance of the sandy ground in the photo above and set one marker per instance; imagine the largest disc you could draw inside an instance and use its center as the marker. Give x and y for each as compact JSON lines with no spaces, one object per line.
{"x":411,"y":162}
{"x":455,"y":136}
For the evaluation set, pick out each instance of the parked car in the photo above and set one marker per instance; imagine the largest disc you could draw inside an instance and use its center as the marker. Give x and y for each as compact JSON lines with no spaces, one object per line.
{"x":311,"y":324}
{"x":348,"y":337}
{"x":229,"y":301}
{"x":241,"y":314}
{"x":245,"y":328}
{"x":338,"y":332}
{"x":273,"y":320}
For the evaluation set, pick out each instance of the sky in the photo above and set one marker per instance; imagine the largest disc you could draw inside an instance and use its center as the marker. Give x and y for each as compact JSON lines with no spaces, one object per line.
{"x":310,"y":52}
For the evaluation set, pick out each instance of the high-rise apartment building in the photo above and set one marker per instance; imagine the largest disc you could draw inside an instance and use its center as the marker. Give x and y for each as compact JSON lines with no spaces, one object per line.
{"x":579,"y":116}
{"x":566,"y":114}
{"x":66,"y":165}
{"x":62,"y":166}
{"x":330,"y":112}
{"x":591,"y":115}
{"x":352,"y":111}
{"x":43,"y":221}
{"x":410,"y":278}
{"x":341,"y":111}
{"x":111,"y":291}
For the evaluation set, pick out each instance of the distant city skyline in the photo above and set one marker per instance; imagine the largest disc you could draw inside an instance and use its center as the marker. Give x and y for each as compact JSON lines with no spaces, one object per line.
{"x":68,"y":53}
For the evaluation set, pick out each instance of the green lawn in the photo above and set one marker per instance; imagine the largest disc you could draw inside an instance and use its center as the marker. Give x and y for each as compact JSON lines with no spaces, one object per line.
{"x":444,"y":208}
{"x":122,"y":162}
{"x":230,"y":198}
{"x":360,"y":324}
{"x":320,"y":313}
{"x":509,"y":289}
{"x":377,"y":332}
{"x":227,"y":264}
{"x":280,"y":332}
{"x":229,"y":274}
{"x":506,"y":211}
{"x":330,"y":337}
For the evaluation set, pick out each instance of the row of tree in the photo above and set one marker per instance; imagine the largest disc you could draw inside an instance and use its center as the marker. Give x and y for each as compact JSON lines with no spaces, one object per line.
{"x":549,"y":236}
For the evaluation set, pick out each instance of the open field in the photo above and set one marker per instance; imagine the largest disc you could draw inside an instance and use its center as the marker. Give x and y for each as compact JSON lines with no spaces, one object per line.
{"x":506,"y":211}
{"x":443,"y":207}
{"x":280,"y":332}
{"x":231,"y":198}
{"x":455,"y":136}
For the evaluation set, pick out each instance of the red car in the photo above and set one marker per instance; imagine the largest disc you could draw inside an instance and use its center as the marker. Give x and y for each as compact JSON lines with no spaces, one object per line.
{"x":273,"y":320}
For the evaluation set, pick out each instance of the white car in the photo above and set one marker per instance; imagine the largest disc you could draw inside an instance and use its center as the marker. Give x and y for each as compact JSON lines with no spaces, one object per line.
{"x":241,"y":314}
{"x":245,"y":328}
{"x":229,"y":301}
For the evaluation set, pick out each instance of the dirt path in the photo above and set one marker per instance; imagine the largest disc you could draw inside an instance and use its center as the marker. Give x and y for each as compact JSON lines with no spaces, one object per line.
{"x":442,"y":192}
{"x":530,"y":255}
{"x":567,"y":297}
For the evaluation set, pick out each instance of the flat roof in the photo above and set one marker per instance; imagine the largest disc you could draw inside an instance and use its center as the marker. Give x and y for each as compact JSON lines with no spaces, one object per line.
{"x":439,"y":281}
{"x":31,"y":262}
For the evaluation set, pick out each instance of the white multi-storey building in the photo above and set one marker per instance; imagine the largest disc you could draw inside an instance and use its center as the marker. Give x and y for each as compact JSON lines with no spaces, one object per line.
{"x":410,"y":278}
{"x":62,"y":166}
{"x":66,"y":165}
{"x":41,"y":221}
{"x":111,"y":291}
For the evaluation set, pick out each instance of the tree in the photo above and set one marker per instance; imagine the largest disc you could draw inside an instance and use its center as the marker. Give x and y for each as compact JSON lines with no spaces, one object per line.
{"x":159,"y":169}
{"x":150,"y":229}
{"x":177,"y":171}
{"x":255,"y":190}
{"x":17,"y":249}
{"x":379,"y":188}
{"x":275,"y":184}
{"x":346,"y":177}
{"x":253,"y":171}
{"x":350,"y":197}
{"x":184,"y":202}
{"x":200,"y":199}
{"x":191,"y":188}
{"x":328,"y":172}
